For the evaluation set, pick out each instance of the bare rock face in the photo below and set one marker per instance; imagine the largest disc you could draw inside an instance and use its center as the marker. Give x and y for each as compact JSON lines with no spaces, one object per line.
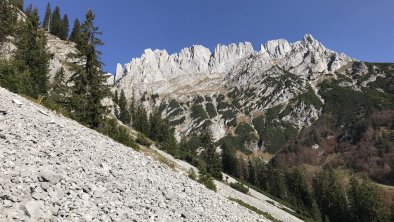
{"x":258,"y":80}
{"x":157,"y":72}
{"x":60,"y":50}
{"x":53,"y":169}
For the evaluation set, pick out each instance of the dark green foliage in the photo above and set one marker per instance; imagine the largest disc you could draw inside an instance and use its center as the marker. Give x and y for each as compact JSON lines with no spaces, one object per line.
{"x":31,"y":55}
{"x":8,"y":20}
{"x":211,"y":110}
{"x":115,"y":97}
{"x":47,"y":18}
{"x":65,"y":28}
{"x":124,"y":113}
{"x":60,"y":91}
{"x":276,"y":182}
{"x":198,"y":113}
{"x":330,"y":196}
{"x":251,"y":172}
{"x":140,"y":120}
{"x":245,"y":133}
{"x":229,"y":159}
{"x":211,"y":157}
{"x":349,"y":106}
{"x":198,"y":99}
{"x":299,"y":195}
{"x":178,"y":121}
{"x":206,"y":179}
{"x":118,"y":133}
{"x":141,"y":139}
{"x":56,"y":23}
{"x":76,"y":34}
{"x":14,"y":80}
{"x":89,"y":80}
{"x":240,"y":187}
{"x":365,"y":202}
{"x":310,"y":98}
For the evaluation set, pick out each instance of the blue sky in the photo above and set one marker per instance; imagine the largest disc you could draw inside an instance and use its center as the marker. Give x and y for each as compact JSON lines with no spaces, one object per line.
{"x":363,"y":29}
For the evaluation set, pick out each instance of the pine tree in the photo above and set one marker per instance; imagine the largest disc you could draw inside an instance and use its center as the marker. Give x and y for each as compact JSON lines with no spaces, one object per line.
{"x":211,"y":157}
{"x":47,"y":18}
{"x":31,"y":55}
{"x":365,"y":203}
{"x":65,"y":28}
{"x":115,"y":97}
{"x":124,"y":115}
{"x":299,"y":194}
{"x":56,"y":23}
{"x":76,"y":33}
{"x":276,"y":182}
{"x":8,"y":20}
{"x":251,"y":172}
{"x":330,"y":196}
{"x":89,"y":81}
{"x":60,"y":90}
{"x":229,"y":160}
{"x":156,"y":126}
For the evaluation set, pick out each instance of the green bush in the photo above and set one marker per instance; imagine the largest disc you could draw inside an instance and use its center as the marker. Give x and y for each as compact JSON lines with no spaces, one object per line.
{"x":240,"y":187}
{"x":141,"y":139}
{"x":117,"y":132}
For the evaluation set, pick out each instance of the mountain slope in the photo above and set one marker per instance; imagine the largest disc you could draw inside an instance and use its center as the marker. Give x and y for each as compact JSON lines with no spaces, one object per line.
{"x":52,"y":167}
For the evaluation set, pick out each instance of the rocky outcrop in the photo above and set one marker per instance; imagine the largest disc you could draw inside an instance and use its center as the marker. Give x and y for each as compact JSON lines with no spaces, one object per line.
{"x":53,"y":169}
{"x":157,"y":72}
{"x":276,"y":74}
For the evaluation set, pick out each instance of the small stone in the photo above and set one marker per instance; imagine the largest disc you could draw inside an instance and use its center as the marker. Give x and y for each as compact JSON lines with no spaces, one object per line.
{"x":7,"y":203}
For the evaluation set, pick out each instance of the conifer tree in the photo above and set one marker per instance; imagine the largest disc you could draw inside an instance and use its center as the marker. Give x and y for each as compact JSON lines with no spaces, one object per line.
{"x":56,"y":23}
{"x":229,"y":160}
{"x":251,"y":172}
{"x":124,"y":115}
{"x":47,"y":18}
{"x":31,"y":55}
{"x":8,"y":20}
{"x":76,"y":33}
{"x":365,"y":203}
{"x":299,"y":194}
{"x":60,"y":90}
{"x":330,"y":196}
{"x":65,"y":28}
{"x":115,"y":97}
{"x":89,"y":81}
{"x":211,"y":157}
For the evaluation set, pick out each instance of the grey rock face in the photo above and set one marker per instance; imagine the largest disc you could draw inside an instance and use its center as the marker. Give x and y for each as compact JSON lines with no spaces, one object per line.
{"x":53,"y":169}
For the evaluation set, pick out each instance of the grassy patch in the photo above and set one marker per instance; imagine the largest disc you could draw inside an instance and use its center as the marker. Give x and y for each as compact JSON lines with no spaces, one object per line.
{"x":254,"y":209}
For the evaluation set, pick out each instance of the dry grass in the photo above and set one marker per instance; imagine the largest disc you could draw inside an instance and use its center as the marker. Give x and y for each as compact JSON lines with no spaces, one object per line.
{"x":157,"y":156}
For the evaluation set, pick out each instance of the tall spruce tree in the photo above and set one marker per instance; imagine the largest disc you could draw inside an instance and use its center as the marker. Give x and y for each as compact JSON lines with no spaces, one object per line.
{"x":364,"y":200}
{"x":31,"y":55}
{"x":60,"y":90}
{"x":8,"y":20}
{"x":229,"y":159}
{"x":56,"y":23}
{"x":330,"y":196}
{"x":89,"y":81}
{"x":76,"y":33}
{"x":47,"y":18}
{"x":211,"y":157}
{"x":124,"y":114}
{"x":65,"y":28}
